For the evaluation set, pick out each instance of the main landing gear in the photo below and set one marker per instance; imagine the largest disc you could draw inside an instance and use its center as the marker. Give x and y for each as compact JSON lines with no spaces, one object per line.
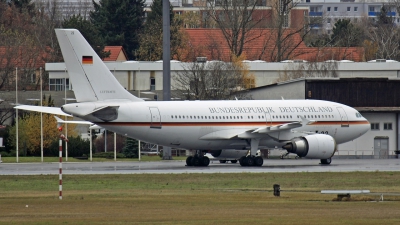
{"x":252,"y":159}
{"x":326,"y":161}
{"x":198,"y":160}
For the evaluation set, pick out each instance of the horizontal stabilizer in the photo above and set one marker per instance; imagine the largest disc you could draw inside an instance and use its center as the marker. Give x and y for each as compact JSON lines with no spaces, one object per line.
{"x":43,"y":109}
{"x":59,"y":120}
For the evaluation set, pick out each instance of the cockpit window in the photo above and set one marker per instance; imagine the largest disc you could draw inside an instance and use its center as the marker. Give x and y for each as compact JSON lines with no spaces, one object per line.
{"x":358,"y":115}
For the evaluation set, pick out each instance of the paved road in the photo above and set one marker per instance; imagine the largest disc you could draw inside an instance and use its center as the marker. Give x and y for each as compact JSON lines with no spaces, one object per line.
{"x":275,"y":166}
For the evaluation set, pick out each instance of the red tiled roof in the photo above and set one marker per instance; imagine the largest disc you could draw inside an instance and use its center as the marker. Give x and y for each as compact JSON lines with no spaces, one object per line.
{"x":261,"y":46}
{"x":115,"y":53}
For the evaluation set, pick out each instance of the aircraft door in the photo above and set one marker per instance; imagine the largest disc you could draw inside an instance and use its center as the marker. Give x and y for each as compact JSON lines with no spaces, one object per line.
{"x":155,"y":118}
{"x":343,"y":117}
{"x":268,"y":119}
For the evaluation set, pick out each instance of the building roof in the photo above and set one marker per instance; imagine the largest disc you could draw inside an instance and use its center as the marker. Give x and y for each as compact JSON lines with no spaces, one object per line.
{"x":212,"y":44}
{"x":117,"y":53}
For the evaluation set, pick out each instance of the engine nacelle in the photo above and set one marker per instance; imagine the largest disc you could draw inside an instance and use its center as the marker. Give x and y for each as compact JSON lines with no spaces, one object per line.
{"x":316,"y":146}
{"x":228,"y":154}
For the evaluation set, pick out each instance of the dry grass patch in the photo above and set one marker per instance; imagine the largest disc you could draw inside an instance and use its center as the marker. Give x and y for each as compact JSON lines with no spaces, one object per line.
{"x":196,"y":199}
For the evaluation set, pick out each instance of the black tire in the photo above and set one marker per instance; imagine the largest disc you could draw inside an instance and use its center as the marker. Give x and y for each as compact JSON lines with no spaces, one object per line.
{"x":258,"y":161}
{"x":326,"y":161}
{"x":222,"y":161}
{"x":189,"y":161}
{"x":249,"y":160}
{"x":196,"y":161}
{"x":205,"y":161}
{"x":242,"y":161}
{"x":233,"y":161}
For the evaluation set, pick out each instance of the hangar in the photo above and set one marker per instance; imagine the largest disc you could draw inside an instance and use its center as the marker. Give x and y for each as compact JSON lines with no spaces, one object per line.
{"x":377,"y":99}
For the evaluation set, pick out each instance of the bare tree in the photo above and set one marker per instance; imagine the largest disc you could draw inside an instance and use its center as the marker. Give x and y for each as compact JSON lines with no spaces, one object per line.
{"x":213,"y":80}
{"x":235,"y":18}
{"x":287,"y":31}
{"x":297,"y":70}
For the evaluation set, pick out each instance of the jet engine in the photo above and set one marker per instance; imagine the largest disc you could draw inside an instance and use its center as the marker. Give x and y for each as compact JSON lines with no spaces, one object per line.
{"x":315,"y":146}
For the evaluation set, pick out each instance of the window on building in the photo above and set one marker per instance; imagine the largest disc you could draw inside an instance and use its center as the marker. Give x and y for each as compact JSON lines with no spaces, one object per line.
{"x":355,"y":9}
{"x":328,"y":20}
{"x":348,"y":9}
{"x":387,"y":126}
{"x":371,"y":9}
{"x":328,"y":9}
{"x":374,"y":126}
{"x":335,"y":9}
{"x":56,"y":84}
{"x":152,"y":83}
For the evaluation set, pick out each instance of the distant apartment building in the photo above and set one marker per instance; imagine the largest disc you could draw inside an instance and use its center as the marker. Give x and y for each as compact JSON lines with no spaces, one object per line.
{"x":330,"y":11}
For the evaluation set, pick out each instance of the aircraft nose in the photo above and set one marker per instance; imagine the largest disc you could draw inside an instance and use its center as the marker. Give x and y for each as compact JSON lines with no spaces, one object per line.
{"x":366,"y":127}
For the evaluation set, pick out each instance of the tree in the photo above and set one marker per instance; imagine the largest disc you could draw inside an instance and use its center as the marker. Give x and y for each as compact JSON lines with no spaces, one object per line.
{"x":385,"y":35}
{"x":286,"y":35}
{"x":297,"y":70}
{"x":130,"y":149}
{"x":119,"y":22}
{"x":151,"y":40}
{"x":346,"y":34}
{"x":215,"y":80}
{"x":235,"y":18}
{"x":89,"y":32}
{"x":29,"y":131}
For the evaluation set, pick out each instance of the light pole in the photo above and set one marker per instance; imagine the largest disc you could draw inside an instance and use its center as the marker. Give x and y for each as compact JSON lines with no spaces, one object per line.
{"x":66,"y":124}
{"x":16,"y":111}
{"x":41,"y":116}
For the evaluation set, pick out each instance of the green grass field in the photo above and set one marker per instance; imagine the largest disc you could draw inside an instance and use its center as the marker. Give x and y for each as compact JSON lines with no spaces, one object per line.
{"x":198,"y":199}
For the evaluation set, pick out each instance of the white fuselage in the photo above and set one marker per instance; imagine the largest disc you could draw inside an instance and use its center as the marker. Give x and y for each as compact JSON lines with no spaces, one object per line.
{"x":215,"y":125}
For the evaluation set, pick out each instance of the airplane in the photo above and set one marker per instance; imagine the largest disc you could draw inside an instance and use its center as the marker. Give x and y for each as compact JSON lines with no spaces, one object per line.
{"x":309,"y":128}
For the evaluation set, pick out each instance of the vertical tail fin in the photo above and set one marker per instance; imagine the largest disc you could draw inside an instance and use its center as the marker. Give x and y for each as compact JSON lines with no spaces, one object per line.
{"x":91,"y":79}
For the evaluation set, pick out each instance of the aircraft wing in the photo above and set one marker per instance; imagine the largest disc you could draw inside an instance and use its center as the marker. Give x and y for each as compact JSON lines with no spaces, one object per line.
{"x":43,"y":109}
{"x":258,"y":132}
{"x":283,"y":127}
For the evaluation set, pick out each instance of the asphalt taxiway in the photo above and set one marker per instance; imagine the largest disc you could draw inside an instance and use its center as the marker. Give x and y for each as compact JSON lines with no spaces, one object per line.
{"x":165,"y":167}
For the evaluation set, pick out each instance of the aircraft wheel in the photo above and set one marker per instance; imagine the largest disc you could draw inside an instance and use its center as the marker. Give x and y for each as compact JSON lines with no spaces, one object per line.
{"x":205,"y":161}
{"x":196,"y":161}
{"x":242,"y":161}
{"x":222,"y":161}
{"x":249,"y":160}
{"x":258,"y":161}
{"x":233,"y":161}
{"x":326,"y":161}
{"x":189,"y":161}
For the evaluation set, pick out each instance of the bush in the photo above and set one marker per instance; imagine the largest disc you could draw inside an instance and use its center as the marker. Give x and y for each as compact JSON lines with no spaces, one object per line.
{"x":130,"y":149}
{"x":5,"y":154}
{"x":77,"y":147}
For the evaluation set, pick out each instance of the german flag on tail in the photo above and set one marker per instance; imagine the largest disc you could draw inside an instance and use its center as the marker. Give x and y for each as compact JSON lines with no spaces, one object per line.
{"x":87,"y":60}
